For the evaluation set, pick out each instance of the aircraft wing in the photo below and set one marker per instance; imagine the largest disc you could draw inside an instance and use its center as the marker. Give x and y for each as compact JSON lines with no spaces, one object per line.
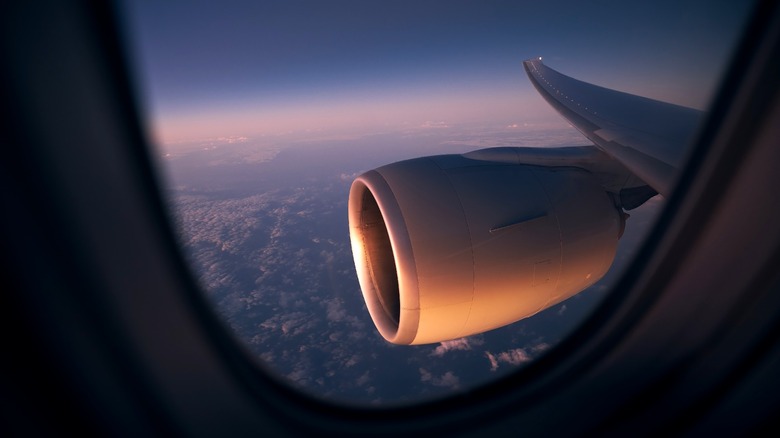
{"x":647,"y":136}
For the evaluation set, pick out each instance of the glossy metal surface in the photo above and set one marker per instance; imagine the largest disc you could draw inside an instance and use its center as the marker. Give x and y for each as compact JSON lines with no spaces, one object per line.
{"x":645,"y":135}
{"x":449,"y":246}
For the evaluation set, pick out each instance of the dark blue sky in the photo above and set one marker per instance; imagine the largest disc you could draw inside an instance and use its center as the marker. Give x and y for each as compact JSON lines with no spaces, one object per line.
{"x":249,"y":68}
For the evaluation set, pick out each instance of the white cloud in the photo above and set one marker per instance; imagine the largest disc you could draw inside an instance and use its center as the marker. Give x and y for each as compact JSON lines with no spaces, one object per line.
{"x":538,"y":348}
{"x":516,"y":356}
{"x":353,"y":360}
{"x":348,"y":176}
{"x":362,"y":380}
{"x":299,"y":376}
{"x":233,"y":139}
{"x":290,"y":324}
{"x":335,"y":310}
{"x":456,"y":344}
{"x":493,"y":361}
{"x":448,"y":379}
{"x":437,"y":125}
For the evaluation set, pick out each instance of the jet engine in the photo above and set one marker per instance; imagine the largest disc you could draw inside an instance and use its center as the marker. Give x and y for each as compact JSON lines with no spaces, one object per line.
{"x":449,"y":246}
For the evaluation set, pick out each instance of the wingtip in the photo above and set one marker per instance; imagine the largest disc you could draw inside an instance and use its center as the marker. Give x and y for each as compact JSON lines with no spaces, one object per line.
{"x":532,"y":64}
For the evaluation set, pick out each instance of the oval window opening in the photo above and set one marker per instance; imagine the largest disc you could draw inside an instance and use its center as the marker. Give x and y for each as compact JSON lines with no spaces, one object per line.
{"x":263,"y":116}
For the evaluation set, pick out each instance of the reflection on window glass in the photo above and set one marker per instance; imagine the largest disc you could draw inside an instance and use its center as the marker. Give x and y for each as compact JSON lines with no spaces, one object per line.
{"x":263,"y":113}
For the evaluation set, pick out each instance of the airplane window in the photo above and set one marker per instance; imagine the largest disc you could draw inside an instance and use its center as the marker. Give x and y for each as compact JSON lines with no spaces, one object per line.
{"x":264,"y":113}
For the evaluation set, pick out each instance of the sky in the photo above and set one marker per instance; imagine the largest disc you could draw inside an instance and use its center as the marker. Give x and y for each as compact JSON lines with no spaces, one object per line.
{"x":247,"y":68}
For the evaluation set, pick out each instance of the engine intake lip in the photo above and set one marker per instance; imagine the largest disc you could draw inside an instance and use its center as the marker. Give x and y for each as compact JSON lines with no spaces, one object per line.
{"x":383,"y":258}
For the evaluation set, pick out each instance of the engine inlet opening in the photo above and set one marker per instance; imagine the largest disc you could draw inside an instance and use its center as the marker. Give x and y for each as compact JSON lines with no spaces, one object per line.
{"x":379,"y":258}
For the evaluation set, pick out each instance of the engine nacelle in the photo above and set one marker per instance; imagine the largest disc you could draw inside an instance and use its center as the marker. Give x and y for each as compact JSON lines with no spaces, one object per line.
{"x":448,"y":246}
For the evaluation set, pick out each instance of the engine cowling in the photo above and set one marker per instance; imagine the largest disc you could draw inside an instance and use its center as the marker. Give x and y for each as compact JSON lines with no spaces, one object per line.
{"x":449,"y":246}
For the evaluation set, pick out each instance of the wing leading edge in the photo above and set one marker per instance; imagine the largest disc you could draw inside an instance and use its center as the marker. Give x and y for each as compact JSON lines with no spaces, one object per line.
{"x":645,"y":135}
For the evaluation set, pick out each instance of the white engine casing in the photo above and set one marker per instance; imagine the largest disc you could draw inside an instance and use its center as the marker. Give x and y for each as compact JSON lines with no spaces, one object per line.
{"x":449,"y":246}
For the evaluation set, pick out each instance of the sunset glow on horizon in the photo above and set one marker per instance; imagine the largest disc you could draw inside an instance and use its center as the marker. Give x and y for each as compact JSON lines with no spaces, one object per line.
{"x":248,"y":68}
